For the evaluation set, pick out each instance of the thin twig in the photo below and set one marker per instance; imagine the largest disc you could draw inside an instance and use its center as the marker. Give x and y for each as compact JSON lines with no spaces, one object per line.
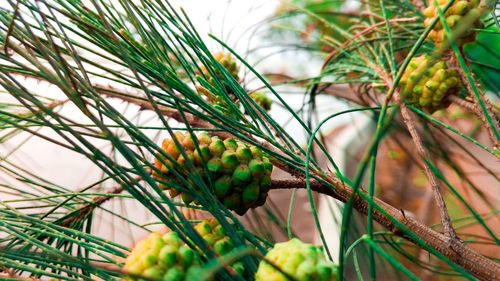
{"x":436,"y":188}
{"x":469,"y":106}
{"x":88,"y":208}
{"x":362,"y":32}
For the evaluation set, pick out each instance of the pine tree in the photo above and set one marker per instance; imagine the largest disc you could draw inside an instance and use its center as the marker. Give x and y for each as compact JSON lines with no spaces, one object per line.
{"x":216,"y":142}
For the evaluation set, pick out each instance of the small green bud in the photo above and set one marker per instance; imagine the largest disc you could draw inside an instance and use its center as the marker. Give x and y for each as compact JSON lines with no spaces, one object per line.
{"x":223,"y":246}
{"x":167,"y":255}
{"x":222,"y":186}
{"x":216,"y":147}
{"x":186,"y":255}
{"x":268,"y":165}
{"x":257,"y":168}
{"x":242,"y":173}
{"x":432,"y":85}
{"x":204,"y":138}
{"x":172,"y":238}
{"x":243,"y":153}
{"x":232,"y":201}
{"x":230,"y":144}
{"x":256,"y":152}
{"x":229,"y":160}
{"x":250,"y":193}
{"x":149,"y":259}
{"x":174,"y":274}
{"x":154,"y":272}
{"x":214,"y":165}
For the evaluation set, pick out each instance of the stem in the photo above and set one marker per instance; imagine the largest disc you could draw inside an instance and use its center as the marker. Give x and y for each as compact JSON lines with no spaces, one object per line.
{"x":436,"y":188}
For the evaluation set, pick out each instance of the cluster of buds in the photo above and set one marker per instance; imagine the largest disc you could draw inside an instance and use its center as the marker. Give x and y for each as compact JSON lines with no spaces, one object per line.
{"x":428,"y":84}
{"x":302,"y":261}
{"x":241,"y":173}
{"x":456,"y":13}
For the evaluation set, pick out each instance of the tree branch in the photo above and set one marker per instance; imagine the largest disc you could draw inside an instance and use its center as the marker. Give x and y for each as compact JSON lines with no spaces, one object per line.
{"x":469,"y":106}
{"x":436,"y":188}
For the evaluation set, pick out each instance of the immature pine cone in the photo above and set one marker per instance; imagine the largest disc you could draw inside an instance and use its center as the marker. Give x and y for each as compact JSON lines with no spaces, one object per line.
{"x":455,"y":14}
{"x":302,"y":261}
{"x":228,"y":62}
{"x":216,"y":238}
{"x":262,"y":100}
{"x":241,"y":173}
{"x":429,"y":85}
{"x":161,"y":257}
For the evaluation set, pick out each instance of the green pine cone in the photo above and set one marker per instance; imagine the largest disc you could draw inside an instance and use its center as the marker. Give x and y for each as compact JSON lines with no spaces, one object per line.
{"x":228,"y":62}
{"x":213,"y":233}
{"x":301,"y":261}
{"x":241,"y":173}
{"x":428,"y":85}
{"x":161,"y":257}
{"x":262,"y":100}
{"x":461,"y":10}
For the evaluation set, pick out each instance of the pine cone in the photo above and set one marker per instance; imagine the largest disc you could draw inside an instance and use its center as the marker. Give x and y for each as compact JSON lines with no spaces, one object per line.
{"x":161,"y":257}
{"x":227,"y":61}
{"x":455,"y":14}
{"x":213,"y":233}
{"x":241,"y":173}
{"x":262,"y":100}
{"x":429,"y":85}
{"x":302,"y":261}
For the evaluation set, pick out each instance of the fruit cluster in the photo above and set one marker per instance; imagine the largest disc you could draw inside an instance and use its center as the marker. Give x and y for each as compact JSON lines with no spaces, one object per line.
{"x":216,"y":238}
{"x":241,"y":173}
{"x":428,"y":84}
{"x":166,"y":258}
{"x":455,"y":14}
{"x":301,"y":261}
{"x":161,"y":257}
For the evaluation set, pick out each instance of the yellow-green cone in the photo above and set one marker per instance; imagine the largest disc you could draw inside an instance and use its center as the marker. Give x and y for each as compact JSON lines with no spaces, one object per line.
{"x":228,"y":62}
{"x":213,"y":233}
{"x":457,"y":13}
{"x":302,"y":261}
{"x":262,"y":100}
{"x":427,"y":84}
{"x":161,"y":257}
{"x":241,"y":173}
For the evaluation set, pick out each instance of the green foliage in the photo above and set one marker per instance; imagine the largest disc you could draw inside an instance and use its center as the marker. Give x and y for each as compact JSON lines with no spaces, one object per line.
{"x":148,"y":54}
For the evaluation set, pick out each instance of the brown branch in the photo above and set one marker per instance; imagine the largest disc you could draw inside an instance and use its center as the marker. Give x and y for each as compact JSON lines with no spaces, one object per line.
{"x":469,"y":106}
{"x":362,"y":32}
{"x":409,"y":120}
{"x":144,"y":104}
{"x":88,"y":208}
